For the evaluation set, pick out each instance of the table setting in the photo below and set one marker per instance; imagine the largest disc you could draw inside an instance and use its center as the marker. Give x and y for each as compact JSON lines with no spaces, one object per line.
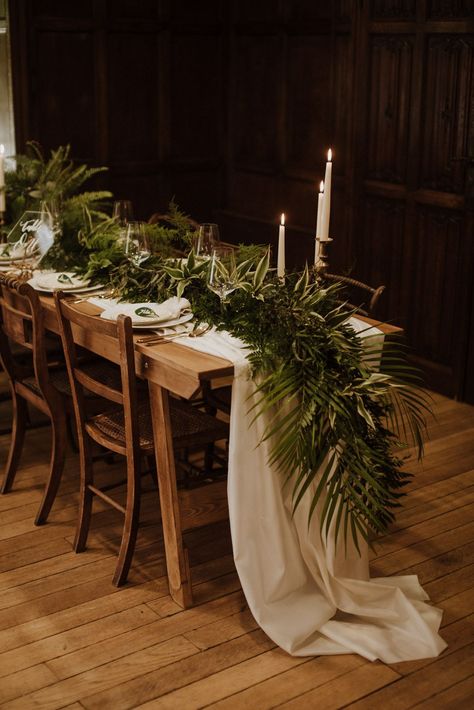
{"x":50,"y":281}
{"x":318,"y":401}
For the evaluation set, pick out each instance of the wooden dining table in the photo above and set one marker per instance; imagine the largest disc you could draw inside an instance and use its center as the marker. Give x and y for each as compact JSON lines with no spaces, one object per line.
{"x":171,"y":368}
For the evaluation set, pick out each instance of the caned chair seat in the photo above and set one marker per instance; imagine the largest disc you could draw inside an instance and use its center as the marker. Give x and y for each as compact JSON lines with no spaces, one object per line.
{"x":190,"y":426}
{"x":59,"y":378}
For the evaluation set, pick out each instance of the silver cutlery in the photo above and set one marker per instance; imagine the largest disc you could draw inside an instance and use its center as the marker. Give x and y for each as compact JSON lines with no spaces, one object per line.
{"x":93,"y":294}
{"x":196,"y":332}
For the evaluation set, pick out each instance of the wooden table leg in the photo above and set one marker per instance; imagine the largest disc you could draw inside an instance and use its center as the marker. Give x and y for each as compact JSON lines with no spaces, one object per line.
{"x":177,"y":562}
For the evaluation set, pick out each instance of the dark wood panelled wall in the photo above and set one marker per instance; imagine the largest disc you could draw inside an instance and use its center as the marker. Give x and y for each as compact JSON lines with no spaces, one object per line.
{"x":230,"y":106}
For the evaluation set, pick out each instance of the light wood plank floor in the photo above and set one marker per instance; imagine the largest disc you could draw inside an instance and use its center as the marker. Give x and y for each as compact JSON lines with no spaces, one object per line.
{"x":68,"y":638}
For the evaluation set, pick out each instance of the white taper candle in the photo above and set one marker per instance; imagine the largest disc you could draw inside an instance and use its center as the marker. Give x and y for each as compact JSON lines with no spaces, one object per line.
{"x":324,"y":235}
{"x":318,"y":221}
{"x":281,"y":248}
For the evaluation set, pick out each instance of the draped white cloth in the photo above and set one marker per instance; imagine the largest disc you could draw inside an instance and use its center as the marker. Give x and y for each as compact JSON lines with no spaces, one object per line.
{"x":307,"y":594}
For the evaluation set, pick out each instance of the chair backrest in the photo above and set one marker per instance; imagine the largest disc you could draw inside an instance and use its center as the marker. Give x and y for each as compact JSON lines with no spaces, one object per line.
{"x":23,"y":324}
{"x":361,"y":297}
{"x":94,"y":379}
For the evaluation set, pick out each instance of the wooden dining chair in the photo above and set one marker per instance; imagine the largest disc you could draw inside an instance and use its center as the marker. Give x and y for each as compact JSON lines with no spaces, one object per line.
{"x":358,"y":296}
{"x":32,"y":362}
{"x":125,"y":427}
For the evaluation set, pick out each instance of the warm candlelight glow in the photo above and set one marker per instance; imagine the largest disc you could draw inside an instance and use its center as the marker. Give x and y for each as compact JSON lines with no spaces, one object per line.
{"x":321,"y":186}
{"x":281,"y":248}
{"x":329,"y":155}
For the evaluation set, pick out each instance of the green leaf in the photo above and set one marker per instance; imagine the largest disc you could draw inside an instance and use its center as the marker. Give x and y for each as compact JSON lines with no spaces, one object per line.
{"x":145,"y":312}
{"x":261,"y":271}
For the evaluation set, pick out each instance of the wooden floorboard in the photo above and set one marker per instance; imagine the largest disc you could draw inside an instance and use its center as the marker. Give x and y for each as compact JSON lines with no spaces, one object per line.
{"x":69,"y":639}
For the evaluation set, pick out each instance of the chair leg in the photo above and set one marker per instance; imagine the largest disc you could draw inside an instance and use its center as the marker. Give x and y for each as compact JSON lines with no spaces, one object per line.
{"x":130,"y":528}
{"x":56,"y":467}
{"x":209,"y":459}
{"x":71,"y":433}
{"x":20,"y":413}
{"x":85,"y":495}
{"x":151,"y":466}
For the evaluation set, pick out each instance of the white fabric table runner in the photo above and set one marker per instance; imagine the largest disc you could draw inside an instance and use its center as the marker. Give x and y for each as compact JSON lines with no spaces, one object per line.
{"x":308,"y":595}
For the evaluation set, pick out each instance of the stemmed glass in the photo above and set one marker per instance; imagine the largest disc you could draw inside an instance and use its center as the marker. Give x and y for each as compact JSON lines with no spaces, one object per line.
{"x":123,"y":214}
{"x":138,"y":243}
{"x":222,"y":276}
{"x":207,"y":238}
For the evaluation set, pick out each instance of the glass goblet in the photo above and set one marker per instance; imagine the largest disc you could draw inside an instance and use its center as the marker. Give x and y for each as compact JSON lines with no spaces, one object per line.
{"x":222,"y":276}
{"x":137,"y":244}
{"x":207,"y":238}
{"x":123,"y":212}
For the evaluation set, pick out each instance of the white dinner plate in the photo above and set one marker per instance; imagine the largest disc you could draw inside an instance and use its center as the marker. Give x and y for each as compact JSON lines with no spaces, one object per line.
{"x":165,"y":323}
{"x":79,"y":289}
{"x":9,"y":266}
{"x":48,"y":281}
{"x":7,"y":258}
{"x":10,"y":259}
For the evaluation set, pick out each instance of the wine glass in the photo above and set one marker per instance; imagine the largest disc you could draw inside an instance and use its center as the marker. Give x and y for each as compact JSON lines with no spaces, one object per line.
{"x":207,"y":238}
{"x":222,"y":276}
{"x":123,"y":212}
{"x":138,"y":243}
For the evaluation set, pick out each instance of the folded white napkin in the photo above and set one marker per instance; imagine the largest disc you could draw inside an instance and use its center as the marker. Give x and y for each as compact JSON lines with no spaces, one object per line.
{"x":65,"y":280}
{"x":10,"y":251}
{"x":143,"y":313}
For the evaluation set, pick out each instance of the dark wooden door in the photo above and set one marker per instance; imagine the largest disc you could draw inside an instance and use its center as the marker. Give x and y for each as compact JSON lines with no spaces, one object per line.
{"x":412,"y":223}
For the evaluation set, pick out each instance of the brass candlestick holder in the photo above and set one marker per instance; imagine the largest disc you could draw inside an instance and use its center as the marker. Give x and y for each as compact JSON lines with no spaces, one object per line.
{"x":322,"y":263}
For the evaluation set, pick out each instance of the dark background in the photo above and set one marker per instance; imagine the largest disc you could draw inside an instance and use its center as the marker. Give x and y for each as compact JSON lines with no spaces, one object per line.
{"x":230,"y":106}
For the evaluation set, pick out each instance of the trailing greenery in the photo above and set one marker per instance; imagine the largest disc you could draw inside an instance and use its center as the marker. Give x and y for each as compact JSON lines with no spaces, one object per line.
{"x":338,"y":414}
{"x":339,"y":417}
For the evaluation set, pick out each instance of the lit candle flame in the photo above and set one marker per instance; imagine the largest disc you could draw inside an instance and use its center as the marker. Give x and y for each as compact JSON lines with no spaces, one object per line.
{"x":321,"y":186}
{"x":2,"y":149}
{"x":282,"y":218}
{"x":329,"y":155}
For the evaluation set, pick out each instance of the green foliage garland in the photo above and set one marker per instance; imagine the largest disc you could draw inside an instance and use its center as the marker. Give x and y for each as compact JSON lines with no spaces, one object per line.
{"x":339,"y":412}
{"x":345,"y":415}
